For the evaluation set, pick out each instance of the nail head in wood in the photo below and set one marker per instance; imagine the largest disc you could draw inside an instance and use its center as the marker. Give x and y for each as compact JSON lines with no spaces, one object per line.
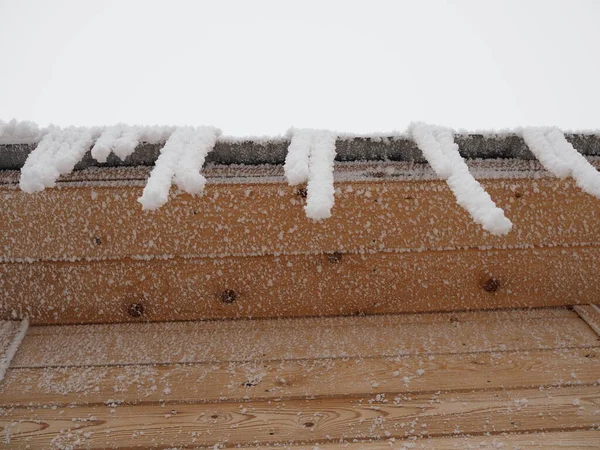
{"x":228,"y":296}
{"x":136,"y":310}
{"x":491,"y":285}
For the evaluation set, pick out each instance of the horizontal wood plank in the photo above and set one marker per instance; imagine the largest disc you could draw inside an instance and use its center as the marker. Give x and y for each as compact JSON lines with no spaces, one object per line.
{"x":294,"y":339}
{"x":256,"y":380}
{"x":565,"y":440}
{"x":298,"y":285}
{"x":250,"y":218}
{"x":305,"y":421}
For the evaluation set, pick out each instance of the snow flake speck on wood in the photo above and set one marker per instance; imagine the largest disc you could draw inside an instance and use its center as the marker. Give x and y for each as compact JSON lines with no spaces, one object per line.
{"x":181,"y":159}
{"x":310,"y":158}
{"x":559,"y":157}
{"x":437,"y":145}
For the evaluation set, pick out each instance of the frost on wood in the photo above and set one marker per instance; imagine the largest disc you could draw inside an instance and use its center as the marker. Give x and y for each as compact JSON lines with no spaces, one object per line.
{"x":15,"y":131}
{"x":181,"y":159}
{"x":310,"y":158}
{"x":57,"y":154}
{"x":11,"y":350}
{"x":440,"y":150}
{"x":558,"y":156}
{"x":123,"y":139}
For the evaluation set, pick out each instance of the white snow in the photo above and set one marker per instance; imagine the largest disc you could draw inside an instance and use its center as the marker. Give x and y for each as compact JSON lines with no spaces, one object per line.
{"x":181,"y":160}
{"x":440,"y":150}
{"x":310,"y":158}
{"x":12,"y":348}
{"x":123,"y":139}
{"x":559,"y":157}
{"x":19,"y":132}
{"x":57,"y":154}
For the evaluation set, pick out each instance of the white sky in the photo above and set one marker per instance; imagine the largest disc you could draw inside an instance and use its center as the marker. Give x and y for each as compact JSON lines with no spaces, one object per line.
{"x":259,"y":67}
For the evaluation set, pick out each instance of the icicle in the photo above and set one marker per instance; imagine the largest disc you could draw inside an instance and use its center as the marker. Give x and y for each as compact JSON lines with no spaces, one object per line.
{"x":561,"y":159}
{"x":13,"y":347}
{"x":440,"y":150}
{"x":310,"y":157}
{"x":57,"y":154}
{"x":180,"y":159}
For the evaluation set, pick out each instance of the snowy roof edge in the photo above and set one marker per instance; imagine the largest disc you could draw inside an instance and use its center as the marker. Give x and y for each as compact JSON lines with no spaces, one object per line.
{"x":255,"y":152}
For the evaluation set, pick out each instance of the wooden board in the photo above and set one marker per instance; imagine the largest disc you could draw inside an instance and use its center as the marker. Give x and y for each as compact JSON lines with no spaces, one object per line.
{"x":591,"y":315}
{"x":298,"y":285}
{"x":312,"y":378}
{"x":188,"y":342}
{"x":318,"y":420}
{"x":437,"y":380}
{"x":250,"y":218}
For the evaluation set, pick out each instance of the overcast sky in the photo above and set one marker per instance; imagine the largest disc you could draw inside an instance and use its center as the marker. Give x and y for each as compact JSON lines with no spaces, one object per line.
{"x":259,"y":67}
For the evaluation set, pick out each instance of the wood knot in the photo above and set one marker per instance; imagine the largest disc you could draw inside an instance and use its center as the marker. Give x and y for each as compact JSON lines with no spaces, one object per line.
{"x":491,"y":285}
{"x":136,"y":310}
{"x":228,"y":296}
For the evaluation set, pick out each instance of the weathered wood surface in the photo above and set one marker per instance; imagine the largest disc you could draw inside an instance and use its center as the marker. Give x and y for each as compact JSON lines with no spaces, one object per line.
{"x":298,"y":285}
{"x":441,"y":379}
{"x":318,"y":420}
{"x":268,"y":219}
{"x":293,"y":339}
{"x":307,"y":378}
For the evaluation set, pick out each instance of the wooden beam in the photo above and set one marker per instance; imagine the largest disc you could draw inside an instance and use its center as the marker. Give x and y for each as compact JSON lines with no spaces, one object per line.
{"x":317,"y":421}
{"x":298,"y":285}
{"x":242,"y":217}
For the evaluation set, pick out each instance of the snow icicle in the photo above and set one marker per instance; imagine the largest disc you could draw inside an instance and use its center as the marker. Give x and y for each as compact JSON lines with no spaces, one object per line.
{"x":440,"y":150}
{"x":310,"y":158}
{"x":122,"y":140}
{"x":559,"y":157}
{"x":57,"y":154}
{"x":181,"y":160}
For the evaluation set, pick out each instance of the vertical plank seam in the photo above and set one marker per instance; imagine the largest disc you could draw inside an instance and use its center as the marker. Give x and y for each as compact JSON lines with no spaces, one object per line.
{"x":593,"y":320}
{"x":11,"y":350}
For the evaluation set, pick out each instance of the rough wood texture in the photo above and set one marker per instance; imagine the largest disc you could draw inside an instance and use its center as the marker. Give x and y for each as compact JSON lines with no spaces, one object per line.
{"x":438,"y":380}
{"x":298,"y":285}
{"x":242,"y":218}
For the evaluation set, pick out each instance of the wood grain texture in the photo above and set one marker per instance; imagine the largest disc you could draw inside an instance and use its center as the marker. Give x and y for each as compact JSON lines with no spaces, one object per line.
{"x":318,"y":420}
{"x":250,"y":218}
{"x":298,"y":285}
{"x":295,"y":339}
{"x":566,"y":440}
{"x":281,"y":379}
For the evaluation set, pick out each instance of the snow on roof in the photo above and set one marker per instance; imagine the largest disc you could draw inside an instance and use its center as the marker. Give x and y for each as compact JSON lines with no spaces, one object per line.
{"x":44,"y":154}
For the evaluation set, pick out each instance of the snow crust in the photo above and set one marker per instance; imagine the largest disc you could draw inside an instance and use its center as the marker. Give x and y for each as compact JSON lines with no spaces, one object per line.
{"x":560,"y":158}
{"x":440,"y":150}
{"x":310,"y":159}
{"x":57,"y":154}
{"x":181,"y":160}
